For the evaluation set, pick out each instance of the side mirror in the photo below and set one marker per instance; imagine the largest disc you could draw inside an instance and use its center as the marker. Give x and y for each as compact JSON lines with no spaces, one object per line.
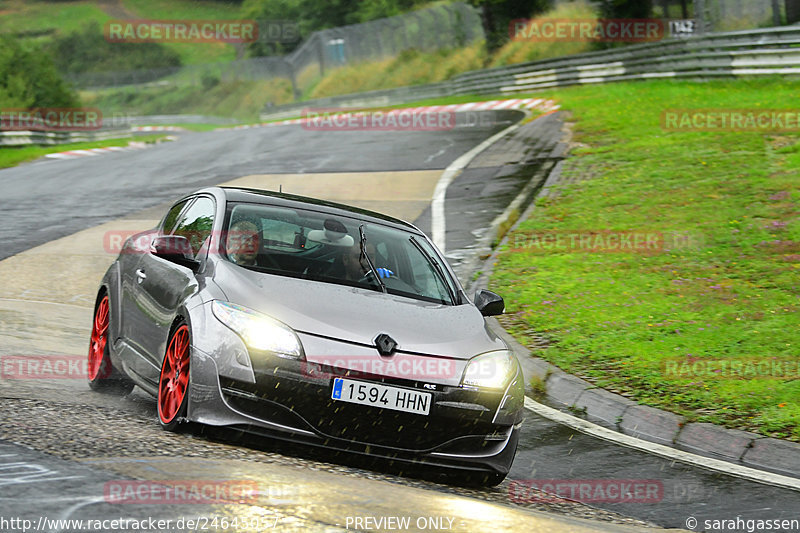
{"x":176,"y":249}
{"x":489,"y":303}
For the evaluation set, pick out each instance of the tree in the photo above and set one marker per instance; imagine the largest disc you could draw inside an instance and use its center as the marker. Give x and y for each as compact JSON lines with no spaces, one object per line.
{"x":29,"y":79}
{"x":87,"y":50}
{"x":626,"y":9}
{"x":498,"y":14}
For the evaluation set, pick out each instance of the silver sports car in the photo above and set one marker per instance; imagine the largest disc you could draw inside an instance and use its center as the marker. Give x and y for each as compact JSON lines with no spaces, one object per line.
{"x":313,"y":322}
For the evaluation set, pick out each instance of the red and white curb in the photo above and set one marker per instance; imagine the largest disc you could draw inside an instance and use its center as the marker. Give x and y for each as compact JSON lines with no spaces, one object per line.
{"x":538,"y":104}
{"x":74,"y":154}
{"x":158,"y":128}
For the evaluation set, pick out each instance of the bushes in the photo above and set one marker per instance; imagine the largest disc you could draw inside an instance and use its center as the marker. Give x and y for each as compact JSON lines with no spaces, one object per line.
{"x":87,"y":50}
{"x":209,"y":80}
{"x":29,"y":79}
{"x":240,"y":99}
{"x":521,"y":50}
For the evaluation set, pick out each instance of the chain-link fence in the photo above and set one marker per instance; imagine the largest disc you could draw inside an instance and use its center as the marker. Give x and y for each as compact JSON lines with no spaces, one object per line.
{"x":443,"y":26}
{"x":438,"y":27}
{"x":727,"y":15}
{"x":258,"y":68}
{"x":730,"y":15}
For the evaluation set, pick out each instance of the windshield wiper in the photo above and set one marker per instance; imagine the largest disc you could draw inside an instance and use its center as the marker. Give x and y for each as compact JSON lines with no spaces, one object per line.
{"x":369,"y":261}
{"x":435,"y":265}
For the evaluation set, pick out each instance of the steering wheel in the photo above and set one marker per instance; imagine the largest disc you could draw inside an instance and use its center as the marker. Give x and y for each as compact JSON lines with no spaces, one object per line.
{"x":268,"y":258}
{"x":370,"y":277}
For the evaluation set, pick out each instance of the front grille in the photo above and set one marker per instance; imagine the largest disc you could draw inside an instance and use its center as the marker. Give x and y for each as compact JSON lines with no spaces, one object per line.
{"x":383,"y":427}
{"x":308,"y":405}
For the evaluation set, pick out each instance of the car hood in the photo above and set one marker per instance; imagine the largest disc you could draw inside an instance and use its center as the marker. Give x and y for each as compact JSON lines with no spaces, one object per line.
{"x":357,"y":315}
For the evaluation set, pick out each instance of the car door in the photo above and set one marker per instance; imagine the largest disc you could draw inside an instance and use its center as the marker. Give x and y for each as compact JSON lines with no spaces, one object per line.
{"x":129,"y":265}
{"x":163,"y":285}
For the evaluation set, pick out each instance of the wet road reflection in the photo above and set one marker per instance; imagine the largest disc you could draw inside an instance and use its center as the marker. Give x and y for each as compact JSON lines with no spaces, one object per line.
{"x":549,"y":451}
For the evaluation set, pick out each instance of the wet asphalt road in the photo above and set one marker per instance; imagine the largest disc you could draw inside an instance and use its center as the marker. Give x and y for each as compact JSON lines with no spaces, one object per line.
{"x":549,"y":451}
{"x":49,"y":199}
{"x":46,"y":200}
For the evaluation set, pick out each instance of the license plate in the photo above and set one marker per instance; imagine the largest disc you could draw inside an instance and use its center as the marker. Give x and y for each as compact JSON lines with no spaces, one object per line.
{"x":395,"y":398}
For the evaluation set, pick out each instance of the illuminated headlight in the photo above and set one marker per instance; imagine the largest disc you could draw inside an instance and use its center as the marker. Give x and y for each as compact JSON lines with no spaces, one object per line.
{"x":259,"y":332}
{"x":491,"y":370}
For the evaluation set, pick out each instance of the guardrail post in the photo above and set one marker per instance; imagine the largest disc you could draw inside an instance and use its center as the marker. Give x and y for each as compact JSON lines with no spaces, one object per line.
{"x":792,"y":11}
{"x":292,"y":79}
{"x":700,"y":15}
{"x":776,"y":12}
{"x":321,"y":52}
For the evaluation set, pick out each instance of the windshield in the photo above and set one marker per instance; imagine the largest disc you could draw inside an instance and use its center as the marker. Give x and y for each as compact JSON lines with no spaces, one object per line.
{"x":328,"y":248}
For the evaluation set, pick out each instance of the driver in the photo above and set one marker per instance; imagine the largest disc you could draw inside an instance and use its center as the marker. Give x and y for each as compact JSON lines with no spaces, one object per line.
{"x":243,"y":243}
{"x":354,"y":270}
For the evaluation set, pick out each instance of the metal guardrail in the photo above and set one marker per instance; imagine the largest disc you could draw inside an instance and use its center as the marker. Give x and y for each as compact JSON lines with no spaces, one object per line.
{"x":771,"y":51}
{"x":763,"y":52}
{"x":366,"y":99}
{"x":120,"y":126}
{"x":48,"y":138}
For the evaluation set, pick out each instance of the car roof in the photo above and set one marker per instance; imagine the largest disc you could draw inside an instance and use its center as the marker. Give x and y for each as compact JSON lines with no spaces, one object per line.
{"x":258,"y":196}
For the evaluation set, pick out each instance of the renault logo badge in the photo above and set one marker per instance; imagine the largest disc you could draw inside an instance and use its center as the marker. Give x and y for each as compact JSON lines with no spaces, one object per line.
{"x":385,"y":344}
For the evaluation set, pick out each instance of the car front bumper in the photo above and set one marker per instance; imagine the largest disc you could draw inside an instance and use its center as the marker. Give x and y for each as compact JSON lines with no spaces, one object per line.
{"x":465,"y":429}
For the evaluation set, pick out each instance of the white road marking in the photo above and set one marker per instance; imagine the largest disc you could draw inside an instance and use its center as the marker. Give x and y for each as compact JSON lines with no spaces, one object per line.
{"x":72,"y":154}
{"x":621,"y":439}
{"x":438,"y":225}
{"x":158,"y":128}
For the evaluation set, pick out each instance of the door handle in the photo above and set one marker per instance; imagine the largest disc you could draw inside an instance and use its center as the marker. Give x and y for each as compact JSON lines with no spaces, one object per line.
{"x":140,"y":275}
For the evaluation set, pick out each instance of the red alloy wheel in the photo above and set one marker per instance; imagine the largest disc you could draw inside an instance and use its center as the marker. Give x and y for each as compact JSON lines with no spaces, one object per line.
{"x":97,"y":346}
{"x":174,"y":378}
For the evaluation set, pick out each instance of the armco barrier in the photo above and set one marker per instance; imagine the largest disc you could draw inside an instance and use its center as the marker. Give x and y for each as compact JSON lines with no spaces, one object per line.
{"x":123,"y":126}
{"x":22,"y":138}
{"x":762,"y":52}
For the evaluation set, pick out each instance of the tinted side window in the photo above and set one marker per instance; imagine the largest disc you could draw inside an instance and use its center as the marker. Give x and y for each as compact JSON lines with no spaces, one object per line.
{"x":196,"y":223}
{"x":172,"y":216}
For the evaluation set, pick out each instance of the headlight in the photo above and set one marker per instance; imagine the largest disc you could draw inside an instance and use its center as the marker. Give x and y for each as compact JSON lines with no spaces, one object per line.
{"x":490,"y":370}
{"x":259,"y":332}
